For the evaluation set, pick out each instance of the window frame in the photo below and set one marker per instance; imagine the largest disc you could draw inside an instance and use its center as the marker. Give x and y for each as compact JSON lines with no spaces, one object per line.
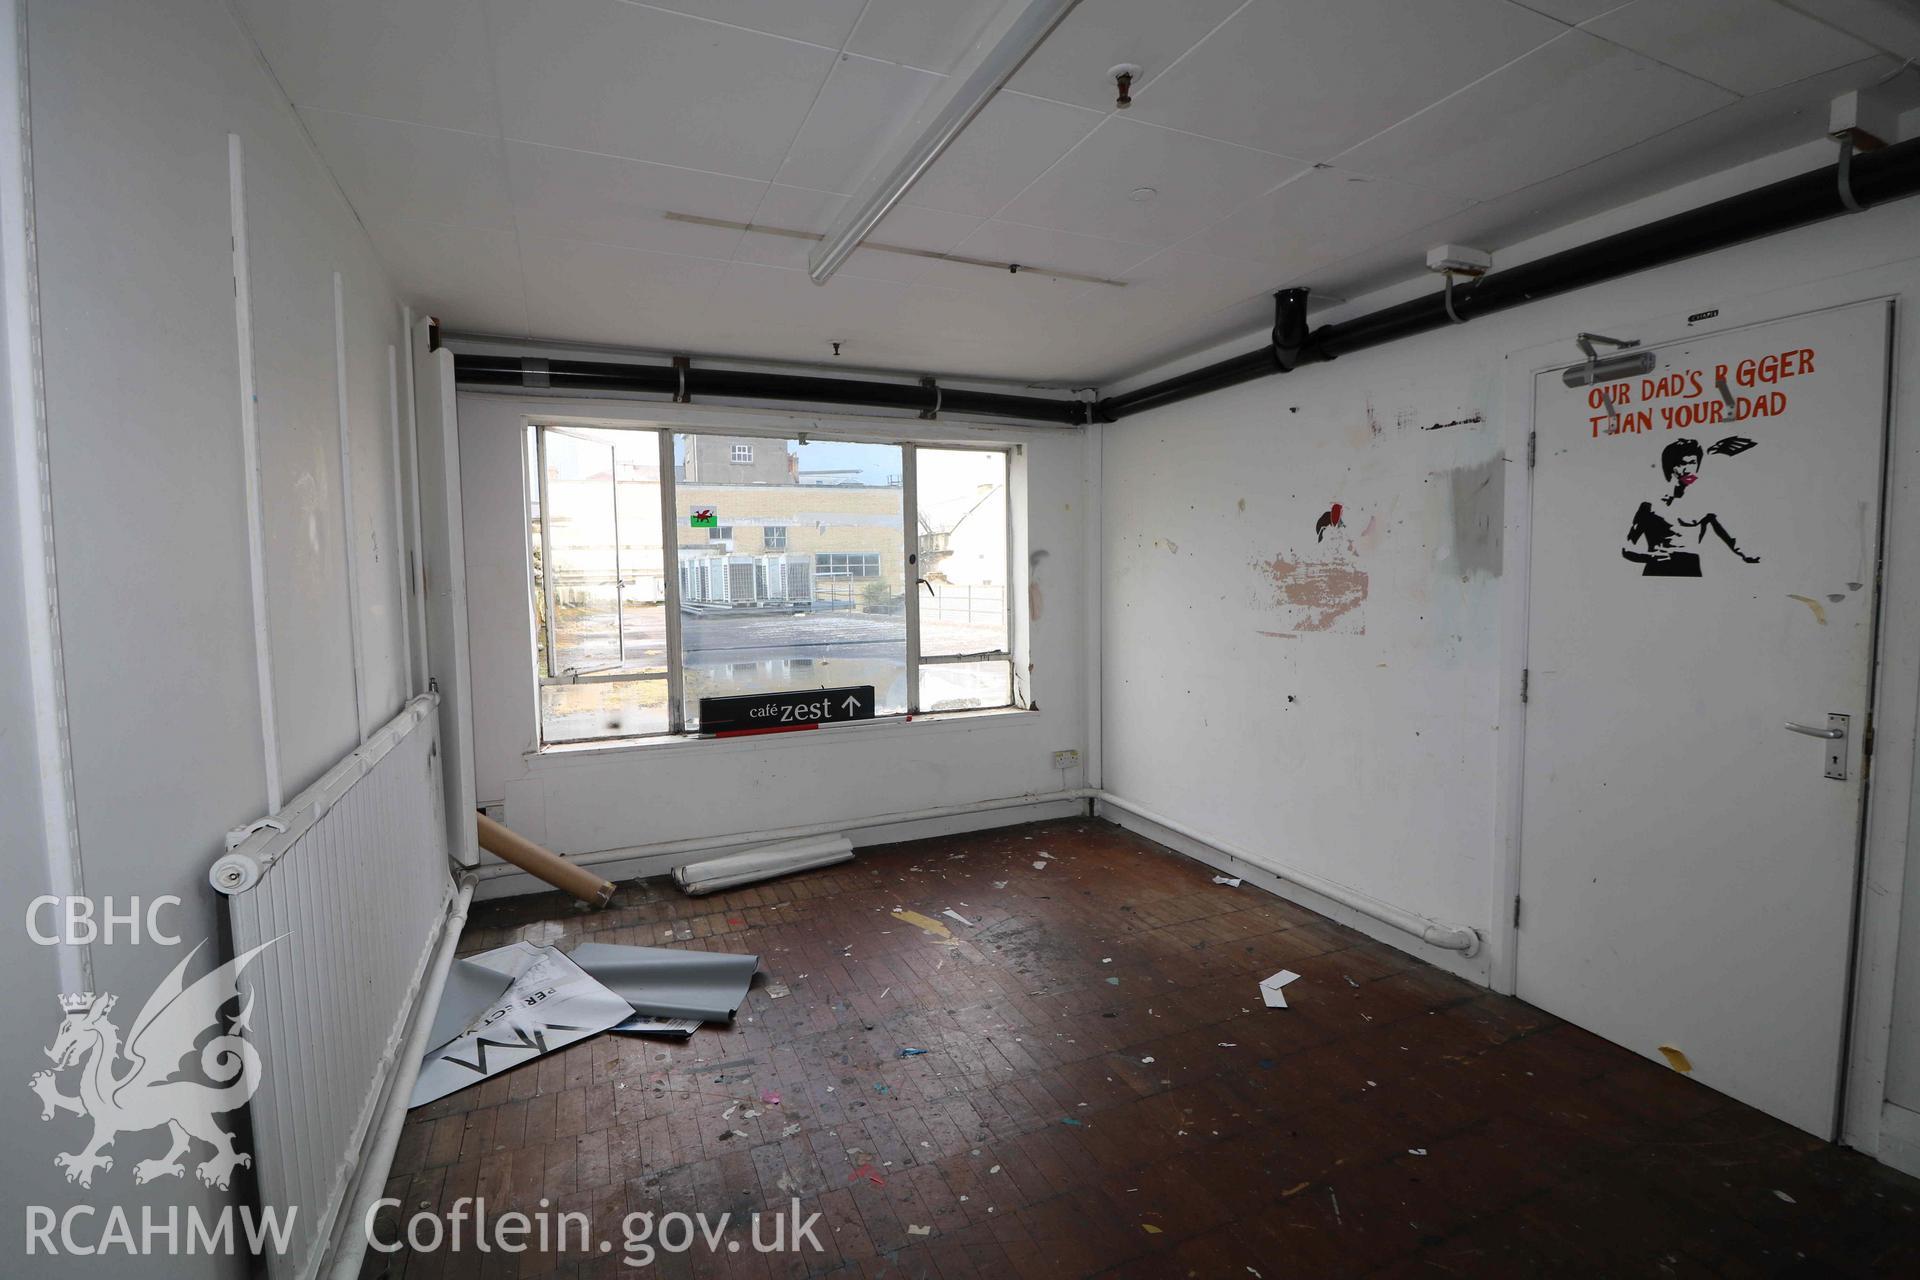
{"x":675,"y":672}
{"x":735,"y":453}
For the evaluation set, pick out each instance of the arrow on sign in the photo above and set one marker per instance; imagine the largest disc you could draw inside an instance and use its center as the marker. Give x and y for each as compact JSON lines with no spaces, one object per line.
{"x":852,"y":704}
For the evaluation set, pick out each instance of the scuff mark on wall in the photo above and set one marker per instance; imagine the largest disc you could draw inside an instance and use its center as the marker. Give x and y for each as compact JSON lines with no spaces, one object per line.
{"x":1318,"y":593}
{"x":1478,"y":509}
{"x":1034,"y":601}
{"x":1819,"y":610}
{"x":1457,"y":422}
{"x":1368,"y":539}
{"x":1279,"y":635}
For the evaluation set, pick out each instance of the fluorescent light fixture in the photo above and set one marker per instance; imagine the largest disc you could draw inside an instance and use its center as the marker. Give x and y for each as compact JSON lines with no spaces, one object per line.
{"x":761,"y":864}
{"x":1002,"y":46}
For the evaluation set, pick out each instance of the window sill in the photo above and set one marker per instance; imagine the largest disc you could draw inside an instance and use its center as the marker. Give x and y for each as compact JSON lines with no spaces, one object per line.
{"x":880,"y":727}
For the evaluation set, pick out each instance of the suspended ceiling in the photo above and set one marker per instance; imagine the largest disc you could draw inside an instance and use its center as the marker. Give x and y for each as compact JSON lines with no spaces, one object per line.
{"x":514,"y":161}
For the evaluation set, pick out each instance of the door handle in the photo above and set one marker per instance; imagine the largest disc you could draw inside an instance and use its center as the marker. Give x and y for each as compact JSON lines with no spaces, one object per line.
{"x":1836,"y":735}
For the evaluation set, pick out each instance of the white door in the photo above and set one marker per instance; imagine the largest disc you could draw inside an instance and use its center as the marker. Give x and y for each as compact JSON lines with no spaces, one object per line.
{"x":1703,"y":574}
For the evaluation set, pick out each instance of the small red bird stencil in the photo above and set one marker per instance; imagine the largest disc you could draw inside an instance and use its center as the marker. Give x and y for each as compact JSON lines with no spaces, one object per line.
{"x":1329,"y":519}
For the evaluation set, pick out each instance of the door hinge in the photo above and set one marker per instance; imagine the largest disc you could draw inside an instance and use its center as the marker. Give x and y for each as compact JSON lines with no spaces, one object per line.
{"x":1533,"y":448}
{"x":1516,"y":911}
{"x":1526,"y":679}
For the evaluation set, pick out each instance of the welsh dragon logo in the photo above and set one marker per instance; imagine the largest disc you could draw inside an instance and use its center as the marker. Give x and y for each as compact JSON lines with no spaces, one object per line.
{"x":131,"y":1087}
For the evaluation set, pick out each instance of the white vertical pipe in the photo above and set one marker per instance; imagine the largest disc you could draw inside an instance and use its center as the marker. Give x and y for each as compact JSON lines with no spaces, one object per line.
{"x":351,"y":531}
{"x":1093,"y":499}
{"x":910,"y":555}
{"x":416,"y":556}
{"x":250,"y":466}
{"x":399,"y":549}
{"x":27,"y":421}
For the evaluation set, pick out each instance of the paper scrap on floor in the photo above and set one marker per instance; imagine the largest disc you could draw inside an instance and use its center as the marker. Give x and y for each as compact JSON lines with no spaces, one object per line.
{"x":1270,"y":988}
{"x":646,"y":1024}
{"x":548,"y":1004}
{"x":669,"y":983}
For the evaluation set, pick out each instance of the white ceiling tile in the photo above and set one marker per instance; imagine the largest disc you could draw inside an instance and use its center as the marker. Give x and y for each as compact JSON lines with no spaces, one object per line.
{"x":1572,"y":11}
{"x":1183,"y":282}
{"x":1320,"y":217}
{"x":467,"y":276}
{"x":1101,"y":34}
{"x":1894,"y":27}
{"x":1747,"y":46}
{"x":599,"y":75}
{"x":771,"y":311}
{"x":1194,"y":180}
{"x":600,"y":293}
{"x":1575,"y":100}
{"x":578,"y":195}
{"x":824,"y":22}
{"x":390,"y":169}
{"x":426,"y":60}
{"x":1009,"y":144}
{"x":787,"y":209}
{"x":854,"y":123}
{"x":796,"y":209}
{"x":1307,"y":78}
{"x":933,"y":34}
{"x":1043,"y":248}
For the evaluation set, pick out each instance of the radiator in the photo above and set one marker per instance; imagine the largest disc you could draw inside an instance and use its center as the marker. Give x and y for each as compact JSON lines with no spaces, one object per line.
{"x":350,"y":882}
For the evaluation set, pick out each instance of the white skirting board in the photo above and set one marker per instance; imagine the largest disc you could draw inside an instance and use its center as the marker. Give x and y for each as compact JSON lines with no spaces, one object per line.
{"x":627,"y":864}
{"x":1900,"y":1139}
{"x":1473,"y":969}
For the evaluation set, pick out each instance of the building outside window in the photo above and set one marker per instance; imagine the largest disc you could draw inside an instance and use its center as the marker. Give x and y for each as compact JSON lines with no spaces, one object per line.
{"x":822,"y":601}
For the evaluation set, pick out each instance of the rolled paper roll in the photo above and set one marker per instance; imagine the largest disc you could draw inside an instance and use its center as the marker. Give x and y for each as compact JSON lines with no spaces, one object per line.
{"x":510,"y":846}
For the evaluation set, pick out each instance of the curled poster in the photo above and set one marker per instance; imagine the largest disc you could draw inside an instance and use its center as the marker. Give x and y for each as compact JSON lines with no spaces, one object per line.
{"x":549,"y":1004}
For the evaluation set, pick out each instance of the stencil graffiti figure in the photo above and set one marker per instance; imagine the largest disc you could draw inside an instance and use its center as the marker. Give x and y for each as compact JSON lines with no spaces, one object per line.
{"x":1660,"y":526}
{"x":147,"y":1093}
{"x":1329,"y":519}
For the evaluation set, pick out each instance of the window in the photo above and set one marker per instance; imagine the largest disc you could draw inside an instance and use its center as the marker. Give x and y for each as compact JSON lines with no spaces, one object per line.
{"x":965,"y":638}
{"x":638,"y":617}
{"x":599,"y":590}
{"x":841,"y":564}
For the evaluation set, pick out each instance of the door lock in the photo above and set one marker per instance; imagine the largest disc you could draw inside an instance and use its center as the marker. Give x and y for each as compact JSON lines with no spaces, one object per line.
{"x":1835,"y":735}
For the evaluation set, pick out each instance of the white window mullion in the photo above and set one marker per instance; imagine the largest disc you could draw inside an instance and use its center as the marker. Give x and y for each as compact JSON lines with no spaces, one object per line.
{"x":670,"y":567}
{"x":546,"y":553}
{"x":910,"y":548}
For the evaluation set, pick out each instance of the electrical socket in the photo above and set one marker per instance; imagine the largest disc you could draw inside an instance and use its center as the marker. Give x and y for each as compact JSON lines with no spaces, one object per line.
{"x":1066,"y":759}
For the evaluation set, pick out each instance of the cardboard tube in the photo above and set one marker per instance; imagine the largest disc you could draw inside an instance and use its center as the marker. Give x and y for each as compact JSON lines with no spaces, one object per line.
{"x":544,"y":864}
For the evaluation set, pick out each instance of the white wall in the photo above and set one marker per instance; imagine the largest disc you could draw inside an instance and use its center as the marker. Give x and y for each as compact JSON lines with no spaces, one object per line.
{"x":131,"y":107}
{"x":619,"y":798}
{"x":1369,"y":752}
